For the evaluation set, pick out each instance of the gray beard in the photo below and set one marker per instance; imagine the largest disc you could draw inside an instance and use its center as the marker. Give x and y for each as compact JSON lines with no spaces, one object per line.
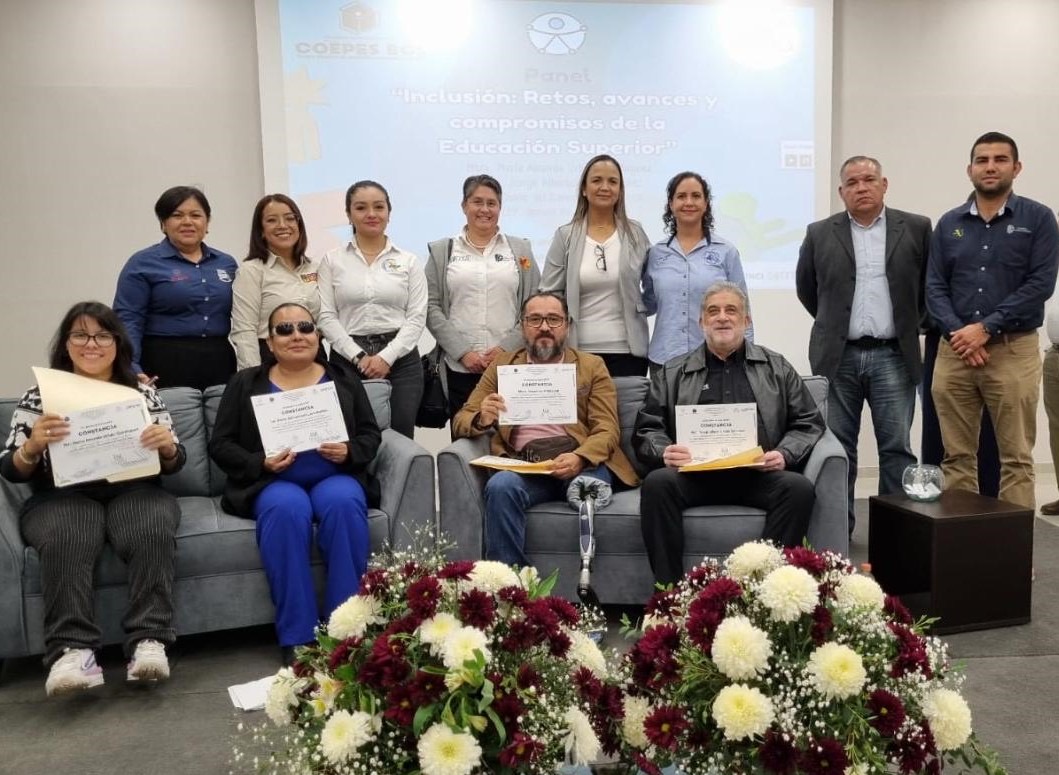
{"x":543,"y":352}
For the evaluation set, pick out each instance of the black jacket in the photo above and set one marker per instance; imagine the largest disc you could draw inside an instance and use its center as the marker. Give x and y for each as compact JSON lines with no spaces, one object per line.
{"x":236,"y":444}
{"x":792,"y":424}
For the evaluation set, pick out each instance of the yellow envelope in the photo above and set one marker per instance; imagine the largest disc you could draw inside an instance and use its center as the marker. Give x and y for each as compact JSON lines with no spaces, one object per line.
{"x":749,"y":459}
{"x":513,"y":464}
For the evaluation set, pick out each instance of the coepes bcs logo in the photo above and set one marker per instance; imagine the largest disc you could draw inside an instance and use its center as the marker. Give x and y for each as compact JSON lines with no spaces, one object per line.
{"x":358,"y":17}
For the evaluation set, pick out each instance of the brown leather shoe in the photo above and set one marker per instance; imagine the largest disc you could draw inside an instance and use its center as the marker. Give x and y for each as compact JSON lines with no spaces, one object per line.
{"x":1050,"y":509}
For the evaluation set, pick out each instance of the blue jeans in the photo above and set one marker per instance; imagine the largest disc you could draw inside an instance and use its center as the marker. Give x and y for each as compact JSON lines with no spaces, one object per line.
{"x":879,"y":377}
{"x":507,"y":496}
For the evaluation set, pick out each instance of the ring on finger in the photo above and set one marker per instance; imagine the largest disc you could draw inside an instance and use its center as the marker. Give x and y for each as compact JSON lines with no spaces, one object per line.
{"x":47,"y":431}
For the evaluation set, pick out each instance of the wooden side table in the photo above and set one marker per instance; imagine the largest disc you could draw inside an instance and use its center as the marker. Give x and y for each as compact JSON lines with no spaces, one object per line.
{"x":965,"y":558}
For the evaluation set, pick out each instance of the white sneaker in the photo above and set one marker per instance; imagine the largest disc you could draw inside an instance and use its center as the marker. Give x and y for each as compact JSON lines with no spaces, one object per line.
{"x":74,"y":671}
{"x":149,"y":662}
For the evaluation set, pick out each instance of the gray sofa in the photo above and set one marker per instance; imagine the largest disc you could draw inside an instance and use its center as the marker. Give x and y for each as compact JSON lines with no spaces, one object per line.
{"x":621,"y":573}
{"x":219,"y":582}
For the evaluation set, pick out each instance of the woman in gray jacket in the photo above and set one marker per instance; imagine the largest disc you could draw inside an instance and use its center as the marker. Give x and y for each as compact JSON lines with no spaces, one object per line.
{"x":476,"y":284}
{"x":596,"y":260}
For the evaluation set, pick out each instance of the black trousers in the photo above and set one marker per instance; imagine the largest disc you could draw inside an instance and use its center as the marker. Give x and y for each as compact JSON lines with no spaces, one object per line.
{"x":786,"y":496}
{"x":624,"y":364}
{"x":188,"y":361}
{"x":406,"y":389}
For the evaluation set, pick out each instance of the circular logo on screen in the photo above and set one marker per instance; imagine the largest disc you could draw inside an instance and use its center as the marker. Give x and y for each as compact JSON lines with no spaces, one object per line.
{"x":556,"y":33}
{"x":358,"y":17}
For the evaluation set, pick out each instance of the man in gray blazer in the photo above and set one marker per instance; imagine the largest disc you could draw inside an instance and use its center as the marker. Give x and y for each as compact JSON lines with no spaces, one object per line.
{"x":860,"y":275}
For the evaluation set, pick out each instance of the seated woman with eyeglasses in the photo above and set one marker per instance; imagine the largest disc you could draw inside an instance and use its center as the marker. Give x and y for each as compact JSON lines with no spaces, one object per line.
{"x":68,"y":526}
{"x":287,"y":492}
{"x":680,"y":268}
{"x":596,"y":261}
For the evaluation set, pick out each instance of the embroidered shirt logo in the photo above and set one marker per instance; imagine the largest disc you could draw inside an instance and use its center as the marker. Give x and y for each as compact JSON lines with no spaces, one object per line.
{"x":223,"y":276}
{"x":957,"y":233}
{"x":1013,"y":229}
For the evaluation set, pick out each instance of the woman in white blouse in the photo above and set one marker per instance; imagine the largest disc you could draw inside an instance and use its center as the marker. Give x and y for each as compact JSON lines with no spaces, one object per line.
{"x":275,"y":270}
{"x":477,"y":282}
{"x":596,"y":261}
{"x":373,"y":303}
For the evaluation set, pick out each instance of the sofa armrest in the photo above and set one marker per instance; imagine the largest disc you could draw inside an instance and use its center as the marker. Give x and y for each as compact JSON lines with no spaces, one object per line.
{"x":12,"y":561}
{"x":405,"y":472}
{"x":827,"y":468}
{"x":460,"y":487}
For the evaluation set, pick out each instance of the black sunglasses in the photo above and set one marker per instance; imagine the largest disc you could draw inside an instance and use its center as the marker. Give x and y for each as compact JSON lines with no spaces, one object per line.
{"x":305,"y":327}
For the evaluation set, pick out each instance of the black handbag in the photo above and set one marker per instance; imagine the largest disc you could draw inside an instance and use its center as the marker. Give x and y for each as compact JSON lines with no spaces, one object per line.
{"x":433,"y":409}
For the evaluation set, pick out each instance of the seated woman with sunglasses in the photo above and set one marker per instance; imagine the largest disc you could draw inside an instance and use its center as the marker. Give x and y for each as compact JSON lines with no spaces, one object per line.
{"x":287,"y":492}
{"x":68,"y":526}
{"x":595,"y":261}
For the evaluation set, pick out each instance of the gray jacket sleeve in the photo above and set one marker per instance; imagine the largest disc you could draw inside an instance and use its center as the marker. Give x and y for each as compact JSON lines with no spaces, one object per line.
{"x":452,"y":341}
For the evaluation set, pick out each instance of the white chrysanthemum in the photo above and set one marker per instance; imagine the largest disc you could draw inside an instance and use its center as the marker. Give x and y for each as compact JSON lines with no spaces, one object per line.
{"x":584,"y":652}
{"x":460,"y":645}
{"x":742,"y":711}
{"x":343,"y":734}
{"x":837,"y":670}
{"x":858,"y":591}
{"x":582,"y":745}
{"x":352,"y":618}
{"x":282,"y":696}
{"x":740,"y":649}
{"x":789,"y":592}
{"x":857,"y":769}
{"x":949,"y":718}
{"x":490,"y":576}
{"x":636,"y":711}
{"x":753,"y":557}
{"x":444,"y":752}
{"x":438,"y":627}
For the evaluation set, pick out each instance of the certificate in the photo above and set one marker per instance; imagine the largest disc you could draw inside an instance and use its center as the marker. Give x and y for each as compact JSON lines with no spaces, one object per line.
{"x":104,"y":443}
{"x":538,"y":393}
{"x":299,"y":419}
{"x":501,"y":463}
{"x":715,"y":431}
{"x":92,"y":406}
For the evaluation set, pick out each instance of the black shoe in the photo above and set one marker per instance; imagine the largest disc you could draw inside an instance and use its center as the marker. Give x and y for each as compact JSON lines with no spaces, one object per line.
{"x":1050,"y":509}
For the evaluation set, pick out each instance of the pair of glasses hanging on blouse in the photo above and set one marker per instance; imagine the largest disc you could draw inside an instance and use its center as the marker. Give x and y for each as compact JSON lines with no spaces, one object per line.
{"x":601,"y":258}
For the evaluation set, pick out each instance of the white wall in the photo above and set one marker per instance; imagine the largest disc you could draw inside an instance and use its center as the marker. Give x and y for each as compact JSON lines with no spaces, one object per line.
{"x":108,"y":102}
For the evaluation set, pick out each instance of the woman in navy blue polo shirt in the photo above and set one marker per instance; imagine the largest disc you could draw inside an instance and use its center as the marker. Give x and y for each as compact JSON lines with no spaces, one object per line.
{"x":175,"y":299}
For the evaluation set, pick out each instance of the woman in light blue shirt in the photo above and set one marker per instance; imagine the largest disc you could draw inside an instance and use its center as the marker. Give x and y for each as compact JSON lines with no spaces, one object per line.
{"x":681,"y":268}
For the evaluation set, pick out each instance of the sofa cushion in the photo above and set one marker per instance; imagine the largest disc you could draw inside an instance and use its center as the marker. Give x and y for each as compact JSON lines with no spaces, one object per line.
{"x":632,"y":392}
{"x":378,"y":391}
{"x":185,"y":407}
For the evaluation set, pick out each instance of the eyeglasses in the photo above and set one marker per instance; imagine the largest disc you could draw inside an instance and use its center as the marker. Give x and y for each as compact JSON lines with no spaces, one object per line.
{"x":81,"y":339}
{"x":536,"y":321}
{"x":601,"y":258}
{"x":304,"y":327}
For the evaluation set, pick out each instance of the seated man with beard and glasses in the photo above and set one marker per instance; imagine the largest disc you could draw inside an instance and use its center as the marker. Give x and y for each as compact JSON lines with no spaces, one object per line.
{"x":589,"y":448}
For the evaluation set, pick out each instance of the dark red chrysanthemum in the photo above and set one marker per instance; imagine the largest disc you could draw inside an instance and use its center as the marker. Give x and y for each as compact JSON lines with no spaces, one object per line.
{"x":521,"y":635}
{"x":423,"y":596}
{"x":401,"y":705}
{"x":700,"y":575}
{"x":540,"y":615}
{"x":386,"y":665}
{"x":477,"y":608}
{"x":646,"y":765}
{"x":662,"y":604}
{"x":527,"y":677}
{"x":652,"y":657}
{"x":427,"y":687}
{"x":508,"y":707}
{"x":458,"y":570}
{"x":778,"y":756}
{"x":610,"y":702}
{"x":521,"y":750}
{"x":825,"y":756}
{"x":411,"y":569}
{"x":912,"y":652}
{"x":722,"y":590}
{"x":806,"y":559}
{"x":702,"y":625}
{"x":913,"y":749}
{"x":372,"y":581}
{"x":823,"y":623}
{"x":888,"y":712}
{"x":587,"y":684}
{"x":558,"y":644}
{"x":516,"y":596}
{"x":698,"y":737}
{"x":565,"y":610}
{"x":892,"y":605}
{"x":664,"y":725}
{"x":405,"y":625}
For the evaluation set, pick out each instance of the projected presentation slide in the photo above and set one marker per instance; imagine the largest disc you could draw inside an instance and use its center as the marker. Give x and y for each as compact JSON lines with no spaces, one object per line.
{"x":419,"y":95}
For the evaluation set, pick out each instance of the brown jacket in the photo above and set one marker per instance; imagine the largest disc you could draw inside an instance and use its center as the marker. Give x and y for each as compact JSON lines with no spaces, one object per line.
{"x":597,"y":433}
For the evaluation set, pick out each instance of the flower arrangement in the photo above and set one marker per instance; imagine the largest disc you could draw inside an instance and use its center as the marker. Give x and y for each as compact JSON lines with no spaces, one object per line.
{"x":443,"y":668}
{"x":789,"y":662}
